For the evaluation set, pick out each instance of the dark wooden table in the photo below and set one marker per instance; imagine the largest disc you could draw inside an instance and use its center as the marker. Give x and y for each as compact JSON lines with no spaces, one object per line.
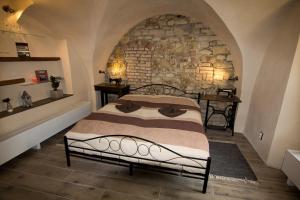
{"x":107,"y":88}
{"x":229,"y":112}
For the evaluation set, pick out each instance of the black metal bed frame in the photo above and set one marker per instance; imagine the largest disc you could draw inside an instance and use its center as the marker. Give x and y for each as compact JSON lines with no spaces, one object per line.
{"x":156,"y":89}
{"x":113,"y":151}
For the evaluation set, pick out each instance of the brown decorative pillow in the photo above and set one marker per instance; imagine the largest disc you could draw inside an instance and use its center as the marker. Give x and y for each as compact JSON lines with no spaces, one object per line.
{"x":128,"y":107}
{"x":171,"y":111}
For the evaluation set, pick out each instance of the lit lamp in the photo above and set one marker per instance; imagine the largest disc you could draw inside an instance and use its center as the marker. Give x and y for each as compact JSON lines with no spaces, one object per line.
{"x":230,"y":91}
{"x":117,"y":71}
{"x":219,"y":76}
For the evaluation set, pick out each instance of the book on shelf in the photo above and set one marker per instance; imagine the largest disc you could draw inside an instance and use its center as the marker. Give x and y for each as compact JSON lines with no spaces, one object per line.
{"x":22,"y":49}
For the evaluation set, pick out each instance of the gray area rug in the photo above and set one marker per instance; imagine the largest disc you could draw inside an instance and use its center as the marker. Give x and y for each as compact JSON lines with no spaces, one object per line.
{"x":228,"y":161}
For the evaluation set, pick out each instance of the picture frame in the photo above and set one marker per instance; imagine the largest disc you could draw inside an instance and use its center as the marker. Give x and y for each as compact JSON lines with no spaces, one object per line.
{"x":42,"y":75}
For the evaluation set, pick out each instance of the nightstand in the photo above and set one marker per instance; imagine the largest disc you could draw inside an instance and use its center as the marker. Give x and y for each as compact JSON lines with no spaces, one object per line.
{"x":106,"y":88}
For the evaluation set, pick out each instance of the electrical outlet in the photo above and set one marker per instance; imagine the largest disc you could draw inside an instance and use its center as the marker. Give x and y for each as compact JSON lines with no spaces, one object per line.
{"x":261,"y":135}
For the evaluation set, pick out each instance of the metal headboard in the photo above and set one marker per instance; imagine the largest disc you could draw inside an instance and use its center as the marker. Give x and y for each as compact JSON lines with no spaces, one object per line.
{"x":163,"y":89}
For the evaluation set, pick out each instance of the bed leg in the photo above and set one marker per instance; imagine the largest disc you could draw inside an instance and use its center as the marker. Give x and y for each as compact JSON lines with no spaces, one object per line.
{"x":206,"y":175}
{"x":67,"y":151}
{"x":130,"y":169}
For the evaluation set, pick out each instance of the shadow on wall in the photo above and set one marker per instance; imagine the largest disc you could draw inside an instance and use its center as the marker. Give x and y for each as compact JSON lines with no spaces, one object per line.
{"x":174,"y":50}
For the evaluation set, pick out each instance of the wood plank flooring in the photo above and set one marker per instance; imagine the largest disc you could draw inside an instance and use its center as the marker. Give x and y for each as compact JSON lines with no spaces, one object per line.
{"x":43,"y":175}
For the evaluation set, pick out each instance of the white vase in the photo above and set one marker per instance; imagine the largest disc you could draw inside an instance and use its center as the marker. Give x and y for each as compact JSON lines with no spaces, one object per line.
{"x":56,"y":94}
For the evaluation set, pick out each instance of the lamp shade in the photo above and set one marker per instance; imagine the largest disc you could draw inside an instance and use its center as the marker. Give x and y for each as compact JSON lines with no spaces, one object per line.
{"x":117,"y":69}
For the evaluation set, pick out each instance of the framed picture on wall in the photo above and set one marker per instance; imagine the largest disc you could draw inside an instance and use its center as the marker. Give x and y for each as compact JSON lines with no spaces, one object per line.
{"x":41,"y":75}
{"x":22,"y":49}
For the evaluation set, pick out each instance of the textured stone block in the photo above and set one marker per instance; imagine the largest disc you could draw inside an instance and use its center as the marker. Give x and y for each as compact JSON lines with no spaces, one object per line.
{"x":220,"y":50}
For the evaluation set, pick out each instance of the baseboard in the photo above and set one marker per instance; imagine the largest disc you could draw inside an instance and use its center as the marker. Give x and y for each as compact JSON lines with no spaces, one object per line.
{"x":26,"y":139}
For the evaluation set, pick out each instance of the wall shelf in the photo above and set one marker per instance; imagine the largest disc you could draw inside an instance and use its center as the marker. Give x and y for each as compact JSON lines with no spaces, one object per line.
{"x":34,"y":105}
{"x":12,"y":81}
{"x":33,"y":83}
{"x":28,"y":59}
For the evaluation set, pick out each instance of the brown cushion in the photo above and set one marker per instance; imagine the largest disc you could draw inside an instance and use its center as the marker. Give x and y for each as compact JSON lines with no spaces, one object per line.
{"x":128,"y":107}
{"x":171,"y":111}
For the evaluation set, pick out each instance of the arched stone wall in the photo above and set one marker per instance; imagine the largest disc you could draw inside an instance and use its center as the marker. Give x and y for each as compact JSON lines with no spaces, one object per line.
{"x":175,"y":50}
{"x":110,"y":33}
{"x":111,"y":29}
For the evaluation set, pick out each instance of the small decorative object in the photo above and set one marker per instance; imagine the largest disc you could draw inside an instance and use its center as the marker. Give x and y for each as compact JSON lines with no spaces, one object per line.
{"x":128,"y":107}
{"x":22,"y":49}
{"x":26,"y":100}
{"x":8,"y":9}
{"x":116,"y":80}
{"x":171,"y":111}
{"x":106,"y":75}
{"x":55,"y":81}
{"x":41,"y":75}
{"x":229,"y":92}
{"x":55,"y":93}
{"x":9,"y":107}
{"x":34,"y":80}
{"x":233,"y":78}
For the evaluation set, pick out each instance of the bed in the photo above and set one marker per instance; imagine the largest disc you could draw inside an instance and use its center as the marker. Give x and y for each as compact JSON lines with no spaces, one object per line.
{"x":155,"y":131}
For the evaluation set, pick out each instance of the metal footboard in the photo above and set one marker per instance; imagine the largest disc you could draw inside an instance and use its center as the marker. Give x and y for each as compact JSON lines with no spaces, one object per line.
{"x":143,"y":154}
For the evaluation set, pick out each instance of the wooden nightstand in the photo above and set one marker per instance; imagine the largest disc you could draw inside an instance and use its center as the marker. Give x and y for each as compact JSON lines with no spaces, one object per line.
{"x":106,"y":88}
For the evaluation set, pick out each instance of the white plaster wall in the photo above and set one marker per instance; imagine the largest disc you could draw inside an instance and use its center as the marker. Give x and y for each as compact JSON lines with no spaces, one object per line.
{"x":252,"y":24}
{"x":271,"y":81}
{"x":287,"y":132}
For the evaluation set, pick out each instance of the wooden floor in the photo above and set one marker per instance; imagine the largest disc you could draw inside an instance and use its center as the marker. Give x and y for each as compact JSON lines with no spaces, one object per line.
{"x":43,"y":175}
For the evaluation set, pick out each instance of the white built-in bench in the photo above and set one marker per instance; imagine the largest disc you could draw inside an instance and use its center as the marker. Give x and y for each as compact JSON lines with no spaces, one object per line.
{"x":291,"y":167}
{"x":14,"y":143}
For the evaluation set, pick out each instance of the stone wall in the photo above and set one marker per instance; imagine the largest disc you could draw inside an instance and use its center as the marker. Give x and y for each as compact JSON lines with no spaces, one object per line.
{"x":175,"y":50}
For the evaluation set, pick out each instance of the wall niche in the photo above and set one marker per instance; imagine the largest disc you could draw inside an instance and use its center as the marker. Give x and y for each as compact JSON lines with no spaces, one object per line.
{"x":174,"y":50}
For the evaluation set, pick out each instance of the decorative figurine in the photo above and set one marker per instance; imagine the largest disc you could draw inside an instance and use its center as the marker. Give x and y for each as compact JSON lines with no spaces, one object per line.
{"x":9,"y":107}
{"x":26,"y":100}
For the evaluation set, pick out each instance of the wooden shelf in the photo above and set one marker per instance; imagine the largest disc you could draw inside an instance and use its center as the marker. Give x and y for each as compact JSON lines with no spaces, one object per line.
{"x":27,"y":59}
{"x":33,"y":83}
{"x":34,"y":105}
{"x":12,"y":81}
